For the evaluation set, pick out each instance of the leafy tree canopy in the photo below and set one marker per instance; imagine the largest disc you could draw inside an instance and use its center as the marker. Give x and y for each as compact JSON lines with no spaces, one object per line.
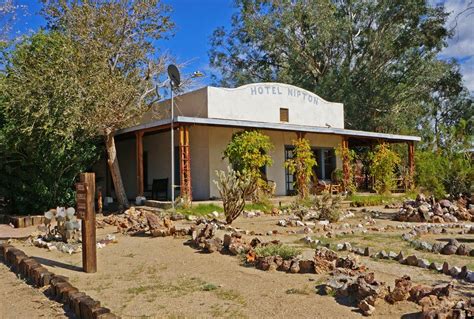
{"x":379,"y":58}
{"x":42,"y":140}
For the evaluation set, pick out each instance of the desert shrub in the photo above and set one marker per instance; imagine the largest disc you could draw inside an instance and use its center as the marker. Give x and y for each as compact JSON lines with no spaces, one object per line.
{"x":459,"y":174}
{"x":441,"y":173}
{"x":302,"y":166}
{"x":429,"y":173}
{"x":384,"y":162}
{"x":232,"y":187}
{"x":248,"y":152}
{"x":284,"y":251}
{"x":329,"y":206}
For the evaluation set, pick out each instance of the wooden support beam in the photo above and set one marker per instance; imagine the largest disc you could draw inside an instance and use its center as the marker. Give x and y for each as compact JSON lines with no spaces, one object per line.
{"x":411,"y":164}
{"x":139,"y":157}
{"x":185,"y":162}
{"x":300,"y":135}
{"x":345,"y":161}
{"x":88,"y":224}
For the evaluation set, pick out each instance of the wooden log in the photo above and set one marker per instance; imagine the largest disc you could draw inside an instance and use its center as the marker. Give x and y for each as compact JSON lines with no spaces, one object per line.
{"x":88,"y":305}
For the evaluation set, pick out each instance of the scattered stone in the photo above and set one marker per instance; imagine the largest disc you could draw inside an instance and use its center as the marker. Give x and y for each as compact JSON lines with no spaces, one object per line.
{"x":445,"y":268}
{"x":423,"y":263}
{"x":436,"y":266}
{"x":411,"y":260}
{"x":367,"y":251}
{"x":449,"y":249}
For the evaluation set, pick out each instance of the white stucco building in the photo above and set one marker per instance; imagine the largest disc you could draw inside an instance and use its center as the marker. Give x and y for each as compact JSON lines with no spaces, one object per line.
{"x":208,"y":117}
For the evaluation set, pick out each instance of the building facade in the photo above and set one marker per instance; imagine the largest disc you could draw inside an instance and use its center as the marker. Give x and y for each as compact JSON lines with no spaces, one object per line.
{"x":203,"y":125}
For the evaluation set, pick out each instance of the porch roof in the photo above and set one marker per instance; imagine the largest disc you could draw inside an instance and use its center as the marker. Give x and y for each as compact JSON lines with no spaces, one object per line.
{"x":158,"y":124}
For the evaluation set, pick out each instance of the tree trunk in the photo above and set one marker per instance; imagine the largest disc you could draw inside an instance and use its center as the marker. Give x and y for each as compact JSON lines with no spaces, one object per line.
{"x":115,"y":170}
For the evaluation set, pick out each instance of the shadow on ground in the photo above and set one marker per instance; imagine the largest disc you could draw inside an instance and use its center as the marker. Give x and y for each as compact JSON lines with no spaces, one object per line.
{"x":56,"y":264}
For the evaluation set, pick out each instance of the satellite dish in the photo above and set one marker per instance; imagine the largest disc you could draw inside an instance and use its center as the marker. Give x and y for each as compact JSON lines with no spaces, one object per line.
{"x":173,"y":73}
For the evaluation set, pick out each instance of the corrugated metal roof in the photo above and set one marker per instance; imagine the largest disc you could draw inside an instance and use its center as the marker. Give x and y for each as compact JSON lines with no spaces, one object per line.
{"x":271,"y":126}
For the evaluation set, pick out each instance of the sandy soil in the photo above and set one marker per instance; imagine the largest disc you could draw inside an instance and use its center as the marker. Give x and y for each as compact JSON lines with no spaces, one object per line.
{"x":19,"y":300}
{"x":163,"y":278}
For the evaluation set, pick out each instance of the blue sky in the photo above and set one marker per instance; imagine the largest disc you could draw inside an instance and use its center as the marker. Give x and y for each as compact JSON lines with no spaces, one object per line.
{"x":196,"y":20}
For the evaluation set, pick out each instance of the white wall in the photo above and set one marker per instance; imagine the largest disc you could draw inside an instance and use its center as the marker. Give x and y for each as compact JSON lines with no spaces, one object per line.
{"x":262,"y":102}
{"x":192,"y":104}
{"x":159,"y":157}
{"x":199,"y":147}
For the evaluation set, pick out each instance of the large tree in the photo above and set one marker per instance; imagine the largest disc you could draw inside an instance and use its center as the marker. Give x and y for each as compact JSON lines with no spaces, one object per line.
{"x":43,"y":144}
{"x":379,"y":58}
{"x":119,"y":38}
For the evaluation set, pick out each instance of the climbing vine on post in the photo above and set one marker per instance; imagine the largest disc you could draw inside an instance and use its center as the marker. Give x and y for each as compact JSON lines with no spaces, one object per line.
{"x":302,"y":166}
{"x":349,"y":156}
{"x":384,"y":162}
{"x":248,"y":152}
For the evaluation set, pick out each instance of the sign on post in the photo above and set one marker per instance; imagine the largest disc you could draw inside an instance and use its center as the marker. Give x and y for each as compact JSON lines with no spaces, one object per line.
{"x":85,"y":194}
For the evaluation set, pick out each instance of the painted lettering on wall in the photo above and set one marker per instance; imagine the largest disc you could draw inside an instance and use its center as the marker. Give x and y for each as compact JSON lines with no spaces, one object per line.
{"x":288,"y":91}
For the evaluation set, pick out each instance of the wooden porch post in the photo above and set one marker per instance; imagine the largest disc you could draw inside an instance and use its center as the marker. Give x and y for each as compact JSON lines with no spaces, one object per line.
{"x":345,"y":161}
{"x":185,"y":162}
{"x":411,"y":164}
{"x":139,"y":155}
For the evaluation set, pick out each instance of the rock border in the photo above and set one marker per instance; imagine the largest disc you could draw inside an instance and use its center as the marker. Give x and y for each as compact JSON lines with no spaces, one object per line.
{"x":412,"y":260}
{"x":83,"y":306}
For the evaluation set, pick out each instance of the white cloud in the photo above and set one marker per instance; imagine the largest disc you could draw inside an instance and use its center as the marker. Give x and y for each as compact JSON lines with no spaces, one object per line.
{"x":461,"y":45}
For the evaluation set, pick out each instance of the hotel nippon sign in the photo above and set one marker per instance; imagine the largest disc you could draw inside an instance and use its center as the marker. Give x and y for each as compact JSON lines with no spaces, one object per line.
{"x":278,"y":90}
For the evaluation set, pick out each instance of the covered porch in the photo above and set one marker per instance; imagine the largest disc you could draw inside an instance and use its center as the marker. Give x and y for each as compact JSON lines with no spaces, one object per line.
{"x":192,"y":161}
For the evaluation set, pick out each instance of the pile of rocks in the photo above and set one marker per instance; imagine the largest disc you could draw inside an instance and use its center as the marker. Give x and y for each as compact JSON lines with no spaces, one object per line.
{"x":234,"y":244}
{"x":427,"y":210}
{"x":162,"y":227}
{"x":132,"y":221}
{"x":436,"y":302}
{"x":324,"y":260}
{"x":139,"y":221}
{"x":364,"y":288}
{"x":204,"y":238}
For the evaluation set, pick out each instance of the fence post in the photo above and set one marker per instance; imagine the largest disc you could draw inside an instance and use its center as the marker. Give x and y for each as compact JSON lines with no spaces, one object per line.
{"x":85,"y":195}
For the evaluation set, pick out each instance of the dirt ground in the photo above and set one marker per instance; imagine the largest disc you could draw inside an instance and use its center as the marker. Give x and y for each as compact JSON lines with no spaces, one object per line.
{"x":19,"y":300}
{"x":163,"y":278}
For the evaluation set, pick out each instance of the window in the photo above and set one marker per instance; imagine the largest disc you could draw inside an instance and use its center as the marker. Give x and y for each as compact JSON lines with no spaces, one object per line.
{"x":326,"y":159}
{"x":284,"y":116}
{"x":289,"y":178}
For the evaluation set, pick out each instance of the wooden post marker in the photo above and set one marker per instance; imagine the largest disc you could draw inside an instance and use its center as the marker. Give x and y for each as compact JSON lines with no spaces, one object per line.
{"x":85,"y":193}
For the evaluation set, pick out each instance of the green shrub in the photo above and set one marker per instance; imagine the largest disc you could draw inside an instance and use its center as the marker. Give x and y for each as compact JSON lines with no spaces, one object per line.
{"x":444,"y":173}
{"x":284,"y":251}
{"x":248,"y":152}
{"x":302,"y":165}
{"x":430,"y":173}
{"x":384,"y":162}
